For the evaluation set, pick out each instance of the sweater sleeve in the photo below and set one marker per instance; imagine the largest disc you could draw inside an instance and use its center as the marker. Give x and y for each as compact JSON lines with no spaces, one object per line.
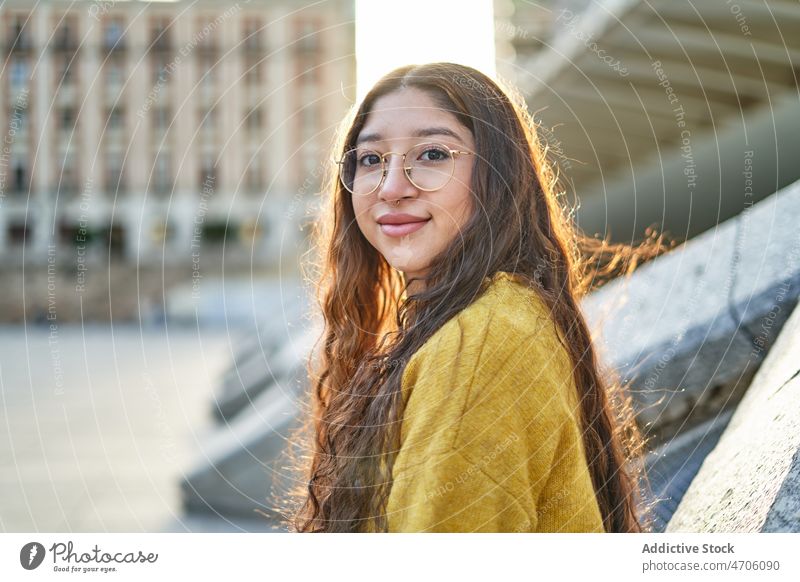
{"x":484,"y":428}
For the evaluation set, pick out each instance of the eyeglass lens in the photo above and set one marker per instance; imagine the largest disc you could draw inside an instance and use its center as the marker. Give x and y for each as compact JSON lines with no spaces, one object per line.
{"x":428,"y":167}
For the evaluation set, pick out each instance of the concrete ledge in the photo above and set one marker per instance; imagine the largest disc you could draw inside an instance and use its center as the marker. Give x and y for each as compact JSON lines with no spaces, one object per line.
{"x":751,"y":481}
{"x":689,"y":330}
{"x":238,"y":467}
{"x":262,"y":358}
{"x":672,"y":466}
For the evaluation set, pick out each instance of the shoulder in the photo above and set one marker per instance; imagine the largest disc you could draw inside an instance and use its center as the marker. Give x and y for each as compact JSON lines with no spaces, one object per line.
{"x":508,"y":320}
{"x":500,"y":358}
{"x":491,"y":435}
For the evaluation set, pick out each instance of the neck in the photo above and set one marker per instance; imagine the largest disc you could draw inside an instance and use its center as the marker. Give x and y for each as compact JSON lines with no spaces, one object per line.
{"x":415,"y":286}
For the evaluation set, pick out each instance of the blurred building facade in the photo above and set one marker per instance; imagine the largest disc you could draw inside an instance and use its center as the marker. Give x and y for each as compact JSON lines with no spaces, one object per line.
{"x":151,"y":130}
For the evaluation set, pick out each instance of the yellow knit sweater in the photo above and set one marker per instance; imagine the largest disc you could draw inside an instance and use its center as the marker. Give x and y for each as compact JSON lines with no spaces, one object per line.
{"x":490,"y":436}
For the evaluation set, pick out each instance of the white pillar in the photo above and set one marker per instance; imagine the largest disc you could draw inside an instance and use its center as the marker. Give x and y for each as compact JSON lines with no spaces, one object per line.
{"x":90,"y":83}
{"x":138,"y":114}
{"x":231,"y":105}
{"x":41,"y":209}
{"x":183,"y":100}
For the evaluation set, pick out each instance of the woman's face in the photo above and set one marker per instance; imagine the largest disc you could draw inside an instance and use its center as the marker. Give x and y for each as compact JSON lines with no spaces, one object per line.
{"x":398,"y":122}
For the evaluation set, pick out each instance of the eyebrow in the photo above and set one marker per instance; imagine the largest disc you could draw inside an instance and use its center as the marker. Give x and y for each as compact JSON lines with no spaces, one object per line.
{"x":425,"y":132}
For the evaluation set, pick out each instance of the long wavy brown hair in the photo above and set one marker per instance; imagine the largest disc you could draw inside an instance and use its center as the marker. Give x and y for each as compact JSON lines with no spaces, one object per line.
{"x":372,"y":325}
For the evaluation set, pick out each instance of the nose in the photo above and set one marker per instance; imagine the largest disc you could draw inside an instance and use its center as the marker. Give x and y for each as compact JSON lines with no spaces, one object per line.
{"x":396,"y":184}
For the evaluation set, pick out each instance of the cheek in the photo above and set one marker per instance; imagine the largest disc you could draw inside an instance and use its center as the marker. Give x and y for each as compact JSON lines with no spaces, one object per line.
{"x":455,"y":210}
{"x":461,"y":197}
{"x":361,"y":211}
{"x":466,"y":210}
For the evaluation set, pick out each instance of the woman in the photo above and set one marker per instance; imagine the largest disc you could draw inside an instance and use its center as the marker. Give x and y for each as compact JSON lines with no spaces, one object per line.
{"x":456,"y":387}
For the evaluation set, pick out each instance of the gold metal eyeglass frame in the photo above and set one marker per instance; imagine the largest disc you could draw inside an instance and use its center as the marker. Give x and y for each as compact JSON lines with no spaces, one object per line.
{"x":406,"y":169}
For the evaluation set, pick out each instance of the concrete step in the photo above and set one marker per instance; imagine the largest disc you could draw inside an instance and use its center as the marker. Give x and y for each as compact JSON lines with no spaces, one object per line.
{"x":689,"y":329}
{"x":750,"y":482}
{"x":240,"y":464}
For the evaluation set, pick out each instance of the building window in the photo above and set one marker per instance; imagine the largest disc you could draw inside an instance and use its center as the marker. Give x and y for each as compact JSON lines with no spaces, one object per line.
{"x":161,"y":72}
{"x":206,"y":74}
{"x":114,"y":174}
{"x":161,"y":118}
{"x":19,"y":75}
{"x":116,"y":119}
{"x":208,"y":118}
{"x":209,"y":174}
{"x":308,"y":37}
{"x":252,"y":34}
{"x":114,"y":75}
{"x":116,"y":239}
{"x":162,"y":178}
{"x":64,"y":39}
{"x":19,"y":184}
{"x":66,"y":119}
{"x":206,"y":35}
{"x":66,"y":76}
{"x":216,"y":232}
{"x":160,"y":35}
{"x":254,"y":119}
{"x":253,"y":72}
{"x":68,"y":173}
{"x":255,"y":175}
{"x":18,"y":233}
{"x":18,"y":34}
{"x":68,"y":233}
{"x":18,"y":118}
{"x":112,"y":34}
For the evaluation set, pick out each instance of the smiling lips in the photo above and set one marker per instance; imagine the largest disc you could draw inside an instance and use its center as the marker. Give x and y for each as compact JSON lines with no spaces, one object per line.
{"x":401,"y":224}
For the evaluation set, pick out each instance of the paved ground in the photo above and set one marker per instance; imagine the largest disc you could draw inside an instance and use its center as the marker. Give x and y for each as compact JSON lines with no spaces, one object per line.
{"x":98,"y":426}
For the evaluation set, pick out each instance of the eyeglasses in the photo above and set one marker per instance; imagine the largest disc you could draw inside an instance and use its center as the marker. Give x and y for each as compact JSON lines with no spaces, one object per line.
{"x":428,"y":166}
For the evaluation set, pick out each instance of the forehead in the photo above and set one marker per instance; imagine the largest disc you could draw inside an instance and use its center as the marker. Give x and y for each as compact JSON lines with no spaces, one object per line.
{"x":409,"y":113}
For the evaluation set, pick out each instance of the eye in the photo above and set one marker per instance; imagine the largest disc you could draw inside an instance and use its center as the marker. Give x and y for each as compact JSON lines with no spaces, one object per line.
{"x":368,"y":159}
{"x":434,"y":154}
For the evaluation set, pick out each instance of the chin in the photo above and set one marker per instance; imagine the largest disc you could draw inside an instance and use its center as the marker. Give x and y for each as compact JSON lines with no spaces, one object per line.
{"x":401,"y":265}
